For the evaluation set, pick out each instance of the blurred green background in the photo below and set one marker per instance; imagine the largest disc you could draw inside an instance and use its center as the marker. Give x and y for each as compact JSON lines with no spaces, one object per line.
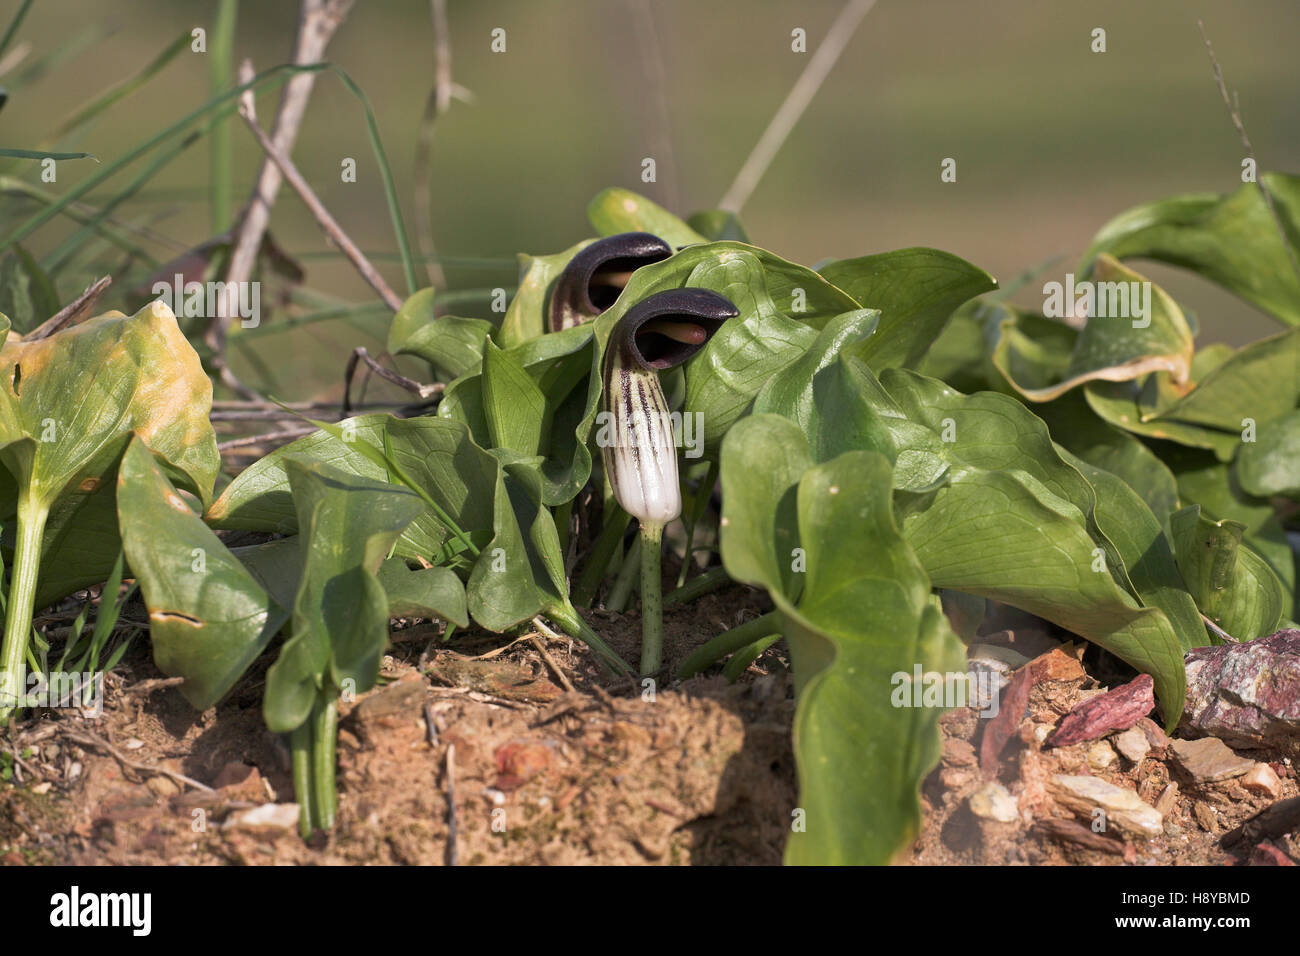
{"x":1051,"y":140}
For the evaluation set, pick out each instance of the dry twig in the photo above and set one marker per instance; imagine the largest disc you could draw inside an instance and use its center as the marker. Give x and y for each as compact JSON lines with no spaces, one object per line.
{"x":317,"y":22}
{"x":801,"y":94}
{"x":330,"y":226}
{"x":70,"y":312}
{"x":88,"y":739}
{"x":1234,"y":113}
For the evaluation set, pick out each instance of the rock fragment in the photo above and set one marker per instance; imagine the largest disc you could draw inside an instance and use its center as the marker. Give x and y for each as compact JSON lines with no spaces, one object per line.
{"x":1261,"y":779}
{"x":1209,"y":760}
{"x":1101,"y":755}
{"x":1247,"y":694}
{"x":994,"y":802}
{"x":1118,"y":709}
{"x":1124,"y":809}
{"x":269,"y":818}
{"x":1133,"y":745}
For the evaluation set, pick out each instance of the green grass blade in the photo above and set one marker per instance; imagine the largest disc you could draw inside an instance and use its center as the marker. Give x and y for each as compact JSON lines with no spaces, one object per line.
{"x":14,"y":24}
{"x":43,"y":154}
{"x":56,"y":260}
{"x":115,"y":94}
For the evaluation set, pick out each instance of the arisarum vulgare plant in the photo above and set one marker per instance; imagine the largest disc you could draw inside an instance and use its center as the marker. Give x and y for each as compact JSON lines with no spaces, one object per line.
{"x":637,"y":442}
{"x":594,"y":278}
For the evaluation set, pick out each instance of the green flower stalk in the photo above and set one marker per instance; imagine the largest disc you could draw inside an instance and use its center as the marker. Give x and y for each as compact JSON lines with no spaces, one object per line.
{"x":637,"y":438}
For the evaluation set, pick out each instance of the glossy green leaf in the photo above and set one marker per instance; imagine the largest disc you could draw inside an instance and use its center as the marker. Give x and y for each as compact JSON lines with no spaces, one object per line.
{"x":209,"y":618}
{"x":450,"y":344}
{"x":1231,"y":240}
{"x":1270,"y":465}
{"x":438,"y":454}
{"x":1232,"y":585}
{"x":69,"y":405}
{"x":528,"y":315}
{"x":340,"y":617}
{"x":513,"y":404}
{"x":1148,"y":556}
{"x":1119,"y":403}
{"x":1259,"y":382}
{"x":558,"y":366}
{"x":1076,"y":427}
{"x":916,"y":290}
{"x":1115,"y":344}
{"x":1204,"y":481}
{"x":863,"y":621}
{"x":824,"y":392}
{"x":617,"y":210}
{"x":962,"y":354}
{"x":81,"y":393}
{"x":423,"y":592}
{"x":994,"y":511}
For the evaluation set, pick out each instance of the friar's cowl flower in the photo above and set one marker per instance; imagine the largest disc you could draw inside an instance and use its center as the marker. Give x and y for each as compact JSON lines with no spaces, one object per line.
{"x":594,"y":278}
{"x":638,"y":446}
{"x":637,"y":441}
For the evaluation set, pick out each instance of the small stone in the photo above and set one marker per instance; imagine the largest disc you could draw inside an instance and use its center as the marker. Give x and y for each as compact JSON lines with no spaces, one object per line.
{"x":268,"y":818}
{"x":163,"y":786}
{"x":955,"y":778}
{"x":958,"y":753}
{"x":993,"y":802}
{"x":1165,"y":802}
{"x":42,"y":788}
{"x":1042,"y":732}
{"x":1261,"y":779}
{"x":1156,"y":736}
{"x":1124,"y":809}
{"x":1209,"y":760}
{"x":1003,"y":659}
{"x":1205,"y":816}
{"x":1133,"y":744}
{"x":135,"y":743}
{"x":1247,"y":694}
{"x":1101,"y":755}
{"x":520,"y":760}
{"x":1118,"y":709}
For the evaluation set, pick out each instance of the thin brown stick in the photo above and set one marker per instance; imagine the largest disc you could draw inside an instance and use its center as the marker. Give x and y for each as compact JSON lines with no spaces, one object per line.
{"x":1219,"y":632}
{"x":655,"y":91}
{"x":88,"y":739}
{"x":1234,"y":113}
{"x":281,"y":435}
{"x":410,"y":384}
{"x":801,"y":94}
{"x":451,"y":804}
{"x":555,"y":668}
{"x":444,"y":90}
{"x":328,"y":223}
{"x":70,"y":312}
{"x":317,"y":22}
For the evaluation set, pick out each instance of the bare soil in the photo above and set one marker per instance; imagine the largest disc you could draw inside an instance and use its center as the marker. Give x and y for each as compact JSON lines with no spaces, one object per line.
{"x":552,"y":762}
